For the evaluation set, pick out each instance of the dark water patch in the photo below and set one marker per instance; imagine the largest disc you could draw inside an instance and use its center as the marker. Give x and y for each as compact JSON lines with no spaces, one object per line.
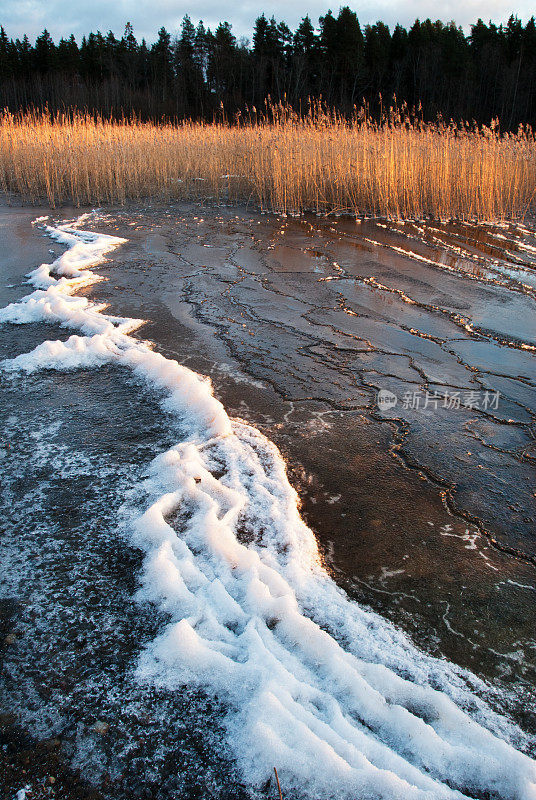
{"x":18,"y":339}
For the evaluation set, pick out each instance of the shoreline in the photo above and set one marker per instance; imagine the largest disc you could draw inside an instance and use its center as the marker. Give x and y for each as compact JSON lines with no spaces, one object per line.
{"x":167,"y":335}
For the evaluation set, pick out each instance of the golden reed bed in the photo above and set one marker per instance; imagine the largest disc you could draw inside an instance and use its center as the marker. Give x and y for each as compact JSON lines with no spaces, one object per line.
{"x":400,"y":168}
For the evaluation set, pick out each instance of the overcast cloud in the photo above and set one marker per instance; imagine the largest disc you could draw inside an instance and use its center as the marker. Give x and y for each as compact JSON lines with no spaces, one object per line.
{"x":62,"y":17}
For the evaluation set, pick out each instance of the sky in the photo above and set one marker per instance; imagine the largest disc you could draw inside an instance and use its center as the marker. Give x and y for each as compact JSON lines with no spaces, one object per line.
{"x":63,"y":17}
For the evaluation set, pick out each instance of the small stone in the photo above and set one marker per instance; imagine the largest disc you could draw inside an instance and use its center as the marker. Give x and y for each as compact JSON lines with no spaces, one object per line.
{"x":10,"y":638}
{"x":101,"y":727}
{"x":51,"y":779}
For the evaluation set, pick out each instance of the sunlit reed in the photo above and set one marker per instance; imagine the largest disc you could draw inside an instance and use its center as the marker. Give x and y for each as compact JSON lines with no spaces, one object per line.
{"x":283,"y":162}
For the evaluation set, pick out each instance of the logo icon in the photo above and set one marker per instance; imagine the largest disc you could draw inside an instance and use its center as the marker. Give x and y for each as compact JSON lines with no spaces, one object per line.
{"x":386,"y":400}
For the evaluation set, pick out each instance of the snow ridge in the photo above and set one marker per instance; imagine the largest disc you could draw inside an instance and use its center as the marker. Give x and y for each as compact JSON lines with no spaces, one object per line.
{"x":333,"y":695}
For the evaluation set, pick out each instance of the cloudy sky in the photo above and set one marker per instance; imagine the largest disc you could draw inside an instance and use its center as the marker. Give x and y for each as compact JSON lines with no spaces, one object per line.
{"x":62,"y":17}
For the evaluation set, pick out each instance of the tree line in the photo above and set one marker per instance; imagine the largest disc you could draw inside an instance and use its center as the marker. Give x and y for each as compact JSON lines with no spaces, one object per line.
{"x":432,"y":67}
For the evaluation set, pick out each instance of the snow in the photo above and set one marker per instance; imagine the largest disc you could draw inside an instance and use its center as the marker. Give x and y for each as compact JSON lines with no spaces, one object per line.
{"x":333,"y":695}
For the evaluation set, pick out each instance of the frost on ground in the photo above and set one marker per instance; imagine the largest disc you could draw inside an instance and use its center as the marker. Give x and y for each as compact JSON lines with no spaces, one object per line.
{"x":332,"y":694}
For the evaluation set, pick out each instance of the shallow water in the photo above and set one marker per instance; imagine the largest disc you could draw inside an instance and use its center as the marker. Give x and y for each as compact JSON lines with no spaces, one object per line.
{"x":423,"y":514}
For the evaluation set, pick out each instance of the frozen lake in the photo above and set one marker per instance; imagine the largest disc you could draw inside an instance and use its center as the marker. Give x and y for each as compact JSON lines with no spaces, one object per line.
{"x":394,"y":368}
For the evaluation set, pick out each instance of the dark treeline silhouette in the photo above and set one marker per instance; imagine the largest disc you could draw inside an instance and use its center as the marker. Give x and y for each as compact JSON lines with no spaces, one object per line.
{"x":432,"y":67}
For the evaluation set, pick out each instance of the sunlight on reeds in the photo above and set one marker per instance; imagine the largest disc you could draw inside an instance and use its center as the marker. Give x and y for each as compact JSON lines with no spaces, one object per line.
{"x":398,"y":168}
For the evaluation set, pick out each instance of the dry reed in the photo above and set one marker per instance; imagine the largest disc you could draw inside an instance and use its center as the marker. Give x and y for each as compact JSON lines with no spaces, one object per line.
{"x":399,"y":168}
